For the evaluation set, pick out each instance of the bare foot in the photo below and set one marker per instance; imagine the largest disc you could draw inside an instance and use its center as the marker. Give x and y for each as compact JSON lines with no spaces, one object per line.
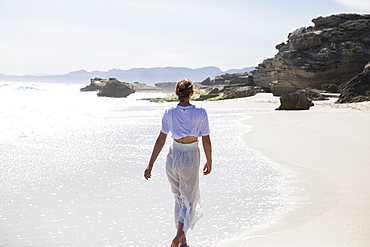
{"x":183,"y":242}
{"x":175,"y":242}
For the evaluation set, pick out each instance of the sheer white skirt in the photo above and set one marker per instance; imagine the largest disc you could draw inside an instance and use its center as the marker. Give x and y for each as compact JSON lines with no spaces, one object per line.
{"x":182,"y":168}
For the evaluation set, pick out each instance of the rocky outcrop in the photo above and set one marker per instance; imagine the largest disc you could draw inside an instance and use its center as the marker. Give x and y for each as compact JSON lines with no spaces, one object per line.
{"x":242,"y":79}
{"x":332,"y":52}
{"x":357,"y":89}
{"x":229,"y":86}
{"x":264,"y":74}
{"x":115,"y":88}
{"x":211,"y":90}
{"x":220,"y":80}
{"x":294,"y":101}
{"x":206,"y":82}
{"x":96,"y":84}
{"x":232,"y":92}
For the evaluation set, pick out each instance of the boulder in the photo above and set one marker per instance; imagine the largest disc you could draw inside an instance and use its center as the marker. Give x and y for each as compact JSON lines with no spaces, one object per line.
{"x":357,"y":89}
{"x":114,"y":88}
{"x":294,"y":101}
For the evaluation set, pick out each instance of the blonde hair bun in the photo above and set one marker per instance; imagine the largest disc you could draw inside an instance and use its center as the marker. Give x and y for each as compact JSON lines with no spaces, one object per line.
{"x":184,"y":88}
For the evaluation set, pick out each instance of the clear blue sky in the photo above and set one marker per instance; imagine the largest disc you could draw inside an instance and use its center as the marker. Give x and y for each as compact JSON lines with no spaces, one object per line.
{"x":59,"y":36}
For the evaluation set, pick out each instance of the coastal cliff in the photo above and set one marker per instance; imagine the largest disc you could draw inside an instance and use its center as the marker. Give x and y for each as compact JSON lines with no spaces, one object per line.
{"x":332,"y":52}
{"x":315,"y":61}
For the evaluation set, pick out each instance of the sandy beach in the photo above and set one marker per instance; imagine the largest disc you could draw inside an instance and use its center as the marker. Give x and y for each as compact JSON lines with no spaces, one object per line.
{"x":303,"y":184}
{"x":328,"y":147}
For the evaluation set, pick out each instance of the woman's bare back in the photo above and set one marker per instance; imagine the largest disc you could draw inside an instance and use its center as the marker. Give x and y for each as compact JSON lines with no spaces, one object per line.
{"x":187,"y":139}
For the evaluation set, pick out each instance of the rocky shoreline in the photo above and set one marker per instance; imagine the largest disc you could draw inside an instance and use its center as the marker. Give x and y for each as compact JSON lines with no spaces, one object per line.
{"x":317,"y":62}
{"x":114,"y":88}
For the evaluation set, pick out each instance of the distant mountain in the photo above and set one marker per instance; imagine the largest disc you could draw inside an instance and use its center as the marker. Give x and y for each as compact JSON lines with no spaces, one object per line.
{"x":149,"y":76}
{"x":234,"y":71}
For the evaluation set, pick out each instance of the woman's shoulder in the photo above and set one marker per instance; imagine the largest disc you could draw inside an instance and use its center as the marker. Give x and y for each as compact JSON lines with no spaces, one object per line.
{"x":199,"y":108}
{"x":201,"y":111}
{"x":169,"y":110}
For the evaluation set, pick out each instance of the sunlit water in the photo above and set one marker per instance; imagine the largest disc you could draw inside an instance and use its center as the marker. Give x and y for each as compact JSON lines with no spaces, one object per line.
{"x":71,"y":173}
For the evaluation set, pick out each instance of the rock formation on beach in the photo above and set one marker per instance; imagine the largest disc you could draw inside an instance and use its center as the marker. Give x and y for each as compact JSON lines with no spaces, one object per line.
{"x":230,"y":86}
{"x":115,"y":88}
{"x":96,"y":84}
{"x":332,"y":52}
{"x":357,"y":89}
{"x":243,"y":79}
{"x":232,"y":92}
{"x":294,"y":101}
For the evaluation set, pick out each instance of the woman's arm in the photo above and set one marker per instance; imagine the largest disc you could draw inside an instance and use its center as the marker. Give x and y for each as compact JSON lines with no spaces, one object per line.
{"x":206,"y":140}
{"x":161,"y":140}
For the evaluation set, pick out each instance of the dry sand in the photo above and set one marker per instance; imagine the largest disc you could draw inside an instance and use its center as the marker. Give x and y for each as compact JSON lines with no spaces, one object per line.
{"x":328,"y":147}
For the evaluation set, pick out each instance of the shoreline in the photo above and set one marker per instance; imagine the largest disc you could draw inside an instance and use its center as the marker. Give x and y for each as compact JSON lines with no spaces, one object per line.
{"x":328,"y":148}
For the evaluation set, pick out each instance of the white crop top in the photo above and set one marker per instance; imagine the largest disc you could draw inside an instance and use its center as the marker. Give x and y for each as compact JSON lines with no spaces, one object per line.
{"x":185,"y":121}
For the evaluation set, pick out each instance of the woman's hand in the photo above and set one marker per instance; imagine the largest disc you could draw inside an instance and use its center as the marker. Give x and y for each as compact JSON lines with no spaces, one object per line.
{"x":207,"y":168}
{"x":148,"y":172}
{"x":206,"y":140}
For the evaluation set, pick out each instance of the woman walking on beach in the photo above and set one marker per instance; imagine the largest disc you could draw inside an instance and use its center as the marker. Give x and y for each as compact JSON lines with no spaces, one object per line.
{"x":186,"y":122}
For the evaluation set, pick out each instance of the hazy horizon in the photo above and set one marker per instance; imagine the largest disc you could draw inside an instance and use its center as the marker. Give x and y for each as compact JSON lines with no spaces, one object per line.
{"x":112,"y":69}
